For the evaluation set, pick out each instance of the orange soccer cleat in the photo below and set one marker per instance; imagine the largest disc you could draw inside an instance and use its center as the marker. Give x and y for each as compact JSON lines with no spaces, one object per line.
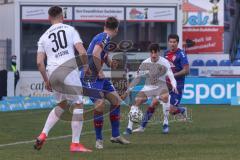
{"x":40,"y":141}
{"x":78,"y":147}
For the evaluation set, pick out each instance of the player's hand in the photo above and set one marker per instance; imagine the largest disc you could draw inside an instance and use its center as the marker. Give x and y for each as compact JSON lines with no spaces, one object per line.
{"x":87,"y":70}
{"x":101,"y":75}
{"x":174,"y":89}
{"x":114,"y":64}
{"x":48,"y":86}
{"x":123,"y":96}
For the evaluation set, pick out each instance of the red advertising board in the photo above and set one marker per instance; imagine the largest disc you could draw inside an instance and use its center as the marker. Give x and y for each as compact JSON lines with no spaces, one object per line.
{"x":203,"y":23}
{"x":206,"y":39}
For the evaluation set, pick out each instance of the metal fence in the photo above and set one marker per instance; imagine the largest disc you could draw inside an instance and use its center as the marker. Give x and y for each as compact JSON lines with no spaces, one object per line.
{"x":5,"y":54}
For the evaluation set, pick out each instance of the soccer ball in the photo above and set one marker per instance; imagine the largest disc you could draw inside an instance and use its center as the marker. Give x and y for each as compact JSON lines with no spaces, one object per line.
{"x":135,"y":115}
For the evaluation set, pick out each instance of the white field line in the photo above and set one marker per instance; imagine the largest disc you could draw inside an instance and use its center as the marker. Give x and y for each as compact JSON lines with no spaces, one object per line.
{"x":49,"y":139}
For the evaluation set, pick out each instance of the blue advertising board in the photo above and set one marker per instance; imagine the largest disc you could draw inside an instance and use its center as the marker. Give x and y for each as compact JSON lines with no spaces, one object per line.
{"x":210,"y":90}
{"x":197,"y":90}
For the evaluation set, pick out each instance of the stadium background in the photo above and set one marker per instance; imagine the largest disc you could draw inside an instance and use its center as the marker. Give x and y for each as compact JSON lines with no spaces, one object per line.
{"x":142,"y":22}
{"x":214,"y":65}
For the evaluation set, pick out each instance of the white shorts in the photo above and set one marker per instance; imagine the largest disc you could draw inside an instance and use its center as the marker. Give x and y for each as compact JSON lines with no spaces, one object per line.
{"x":66,"y":84}
{"x":154,"y":91}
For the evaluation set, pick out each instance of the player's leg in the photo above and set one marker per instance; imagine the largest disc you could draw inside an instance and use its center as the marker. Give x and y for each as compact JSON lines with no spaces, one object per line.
{"x":77,"y":124}
{"x":140,"y":99}
{"x":93,"y":89}
{"x":175,"y":108}
{"x":147,"y":116}
{"x":154,"y":92}
{"x":98,"y":122}
{"x":52,"y":119}
{"x":165,"y":98}
{"x":113,"y":97}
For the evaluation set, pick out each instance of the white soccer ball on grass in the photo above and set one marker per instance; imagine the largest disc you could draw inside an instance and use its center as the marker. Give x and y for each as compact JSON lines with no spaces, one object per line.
{"x":135,"y":115}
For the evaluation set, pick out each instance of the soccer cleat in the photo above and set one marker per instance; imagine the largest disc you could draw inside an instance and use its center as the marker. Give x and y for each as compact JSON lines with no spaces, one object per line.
{"x":78,"y":147}
{"x":127,"y":132}
{"x":99,"y":144}
{"x":184,"y":113}
{"x":182,"y":116}
{"x":138,"y":130}
{"x":40,"y":141}
{"x":165,"y":129}
{"x":119,"y":140}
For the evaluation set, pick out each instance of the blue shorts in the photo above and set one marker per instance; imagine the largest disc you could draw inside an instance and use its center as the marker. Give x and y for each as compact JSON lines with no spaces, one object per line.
{"x":176,"y":98}
{"x":97,"y":89}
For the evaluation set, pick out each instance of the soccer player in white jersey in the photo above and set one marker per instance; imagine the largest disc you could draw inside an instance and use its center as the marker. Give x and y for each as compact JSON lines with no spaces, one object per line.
{"x":154,"y":69}
{"x":57,"y":44}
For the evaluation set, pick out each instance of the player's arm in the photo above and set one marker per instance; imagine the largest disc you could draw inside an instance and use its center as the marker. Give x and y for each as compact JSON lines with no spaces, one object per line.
{"x":41,"y":67}
{"x":183,"y":72}
{"x":78,"y":44}
{"x":97,"y":59}
{"x":185,"y":65}
{"x":140,"y":73}
{"x":82,"y":54}
{"x":108,"y":62}
{"x":41,"y":55}
{"x":135,"y":81}
{"x":171,"y":77}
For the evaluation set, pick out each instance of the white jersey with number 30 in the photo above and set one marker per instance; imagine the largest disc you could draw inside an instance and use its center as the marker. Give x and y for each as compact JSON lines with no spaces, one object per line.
{"x":58,"y":44}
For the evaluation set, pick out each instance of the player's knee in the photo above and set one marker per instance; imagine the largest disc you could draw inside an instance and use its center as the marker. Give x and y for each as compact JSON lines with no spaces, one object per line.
{"x":154,"y":103}
{"x":78,"y":106}
{"x":116,"y":103}
{"x":63,"y":104}
{"x":165,"y":98}
{"x":139,"y":100}
{"x":99,"y":105}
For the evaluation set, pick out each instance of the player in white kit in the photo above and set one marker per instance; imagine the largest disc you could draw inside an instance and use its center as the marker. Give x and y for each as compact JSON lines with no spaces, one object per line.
{"x":154,"y":70}
{"x":61,"y":75}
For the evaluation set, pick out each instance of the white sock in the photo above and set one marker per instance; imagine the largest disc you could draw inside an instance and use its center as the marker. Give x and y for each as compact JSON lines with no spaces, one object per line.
{"x":166,"y":108}
{"x":52,"y":119}
{"x":134,"y":108}
{"x":77,"y":124}
{"x":130,"y":125}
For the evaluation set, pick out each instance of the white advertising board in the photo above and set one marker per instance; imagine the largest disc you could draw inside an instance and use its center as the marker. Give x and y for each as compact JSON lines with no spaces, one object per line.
{"x":98,"y":13}
{"x":151,"y":14}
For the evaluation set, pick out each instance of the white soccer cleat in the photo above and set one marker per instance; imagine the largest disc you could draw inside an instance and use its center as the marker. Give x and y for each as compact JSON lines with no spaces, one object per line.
{"x":99,"y":144}
{"x":139,"y":130}
{"x":120,"y":140}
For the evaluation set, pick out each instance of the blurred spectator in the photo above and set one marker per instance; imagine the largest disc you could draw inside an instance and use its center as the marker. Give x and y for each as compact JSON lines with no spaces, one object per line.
{"x":15,"y":71}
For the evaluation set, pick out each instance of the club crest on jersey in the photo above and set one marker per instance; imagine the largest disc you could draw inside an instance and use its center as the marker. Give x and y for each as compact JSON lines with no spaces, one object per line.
{"x":173,"y":58}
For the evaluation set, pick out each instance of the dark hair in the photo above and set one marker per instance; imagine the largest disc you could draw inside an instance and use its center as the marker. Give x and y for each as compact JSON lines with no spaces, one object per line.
{"x":154,"y":47}
{"x":111,"y":23}
{"x":173,"y":36}
{"x":55,"y":11}
{"x":211,"y":1}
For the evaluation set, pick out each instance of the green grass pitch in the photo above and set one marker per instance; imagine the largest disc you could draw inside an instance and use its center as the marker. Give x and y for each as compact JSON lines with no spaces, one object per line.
{"x":213,"y":134}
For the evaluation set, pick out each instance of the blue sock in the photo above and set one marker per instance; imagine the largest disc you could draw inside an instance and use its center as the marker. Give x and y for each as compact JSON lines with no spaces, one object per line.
{"x":98,"y":124}
{"x":115,"y":120}
{"x":147,"y":116}
{"x":181,"y":109}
